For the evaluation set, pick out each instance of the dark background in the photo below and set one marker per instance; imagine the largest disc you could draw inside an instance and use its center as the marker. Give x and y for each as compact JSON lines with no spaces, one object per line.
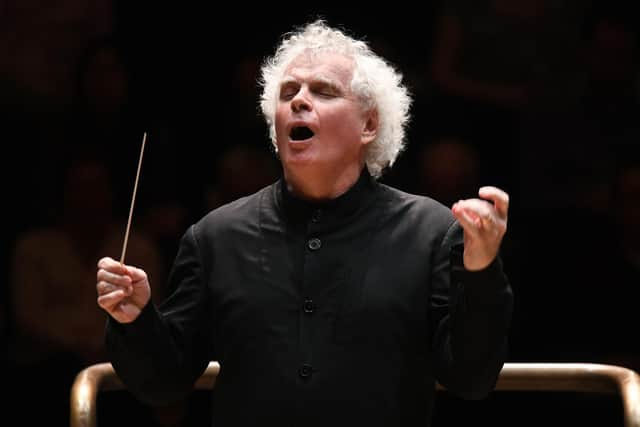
{"x":565,"y":148}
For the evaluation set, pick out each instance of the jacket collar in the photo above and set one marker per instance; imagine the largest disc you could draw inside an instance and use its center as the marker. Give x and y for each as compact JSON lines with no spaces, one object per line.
{"x":331,"y":211}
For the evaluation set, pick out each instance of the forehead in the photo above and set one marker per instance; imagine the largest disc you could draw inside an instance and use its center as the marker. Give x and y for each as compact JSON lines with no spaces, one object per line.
{"x":326,"y":65}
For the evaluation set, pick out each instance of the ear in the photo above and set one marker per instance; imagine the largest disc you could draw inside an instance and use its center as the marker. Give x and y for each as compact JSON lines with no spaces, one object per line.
{"x":370,"y":128}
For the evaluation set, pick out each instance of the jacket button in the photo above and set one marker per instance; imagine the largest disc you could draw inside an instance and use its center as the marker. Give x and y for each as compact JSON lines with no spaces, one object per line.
{"x":315,"y":217}
{"x":308,"y":305}
{"x":305,"y":371}
{"x":314,"y":244}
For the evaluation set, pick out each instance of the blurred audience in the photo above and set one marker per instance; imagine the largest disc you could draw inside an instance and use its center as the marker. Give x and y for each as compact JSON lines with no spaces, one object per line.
{"x":448,"y":170}
{"x":240,"y":171}
{"x":572,"y":144}
{"x":490,"y":60}
{"x":57,"y":329}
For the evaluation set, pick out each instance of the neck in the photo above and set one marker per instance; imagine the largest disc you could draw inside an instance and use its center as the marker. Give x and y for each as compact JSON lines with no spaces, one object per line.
{"x":318,"y":186}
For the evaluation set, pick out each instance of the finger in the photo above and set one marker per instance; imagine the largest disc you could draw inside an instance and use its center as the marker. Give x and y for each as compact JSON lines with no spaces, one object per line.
{"x":499,"y":198}
{"x":466,"y":220}
{"x":484,"y":215}
{"x":111,"y":300}
{"x":136,"y":274}
{"x":480,"y":209}
{"x":104,"y":288}
{"x":112,"y":265}
{"x":110,"y":277}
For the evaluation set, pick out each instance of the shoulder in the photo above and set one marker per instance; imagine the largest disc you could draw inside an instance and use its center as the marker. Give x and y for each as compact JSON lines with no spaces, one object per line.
{"x":239,"y":212}
{"x":420,"y":222}
{"x":416,"y":207}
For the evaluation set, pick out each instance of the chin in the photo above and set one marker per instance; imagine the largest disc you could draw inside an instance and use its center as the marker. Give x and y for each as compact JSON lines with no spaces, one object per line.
{"x":298,"y":164}
{"x":299,"y":157}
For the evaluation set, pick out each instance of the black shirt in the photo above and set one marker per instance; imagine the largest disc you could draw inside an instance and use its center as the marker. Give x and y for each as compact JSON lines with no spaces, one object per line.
{"x":337,"y":313}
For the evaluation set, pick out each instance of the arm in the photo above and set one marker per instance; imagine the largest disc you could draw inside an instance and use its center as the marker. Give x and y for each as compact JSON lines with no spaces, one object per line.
{"x":471,"y":304}
{"x":160,"y":352}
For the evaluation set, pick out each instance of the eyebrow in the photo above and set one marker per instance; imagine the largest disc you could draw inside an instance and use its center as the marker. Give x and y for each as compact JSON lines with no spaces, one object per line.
{"x":287,"y":81}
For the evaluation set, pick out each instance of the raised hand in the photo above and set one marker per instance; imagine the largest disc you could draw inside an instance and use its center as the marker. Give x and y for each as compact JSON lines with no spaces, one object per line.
{"x":123,"y":291}
{"x":484,"y":224}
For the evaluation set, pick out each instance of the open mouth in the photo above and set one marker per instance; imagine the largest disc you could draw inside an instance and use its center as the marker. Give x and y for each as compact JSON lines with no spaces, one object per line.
{"x":300,"y":133}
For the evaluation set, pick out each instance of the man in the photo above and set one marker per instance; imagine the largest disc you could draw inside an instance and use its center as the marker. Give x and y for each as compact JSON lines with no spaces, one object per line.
{"x":327,"y":297}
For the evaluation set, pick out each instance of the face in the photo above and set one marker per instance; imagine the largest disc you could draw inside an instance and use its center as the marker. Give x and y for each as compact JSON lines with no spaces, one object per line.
{"x":320,"y":124}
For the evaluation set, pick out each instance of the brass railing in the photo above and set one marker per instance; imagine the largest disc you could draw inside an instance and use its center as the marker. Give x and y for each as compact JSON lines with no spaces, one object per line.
{"x":569,"y":377}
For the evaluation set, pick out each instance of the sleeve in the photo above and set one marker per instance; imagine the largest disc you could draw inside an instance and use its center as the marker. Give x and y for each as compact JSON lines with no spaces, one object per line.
{"x":161,"y":354}
{"x":471,"y":317}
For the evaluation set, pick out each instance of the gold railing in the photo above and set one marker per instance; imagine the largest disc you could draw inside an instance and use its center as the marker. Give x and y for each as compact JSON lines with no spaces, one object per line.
{"x":569,"y":377}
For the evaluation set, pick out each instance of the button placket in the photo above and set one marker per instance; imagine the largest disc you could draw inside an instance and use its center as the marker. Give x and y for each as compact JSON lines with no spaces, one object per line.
{"x":316,"y":215}
{"x":307,"y":305}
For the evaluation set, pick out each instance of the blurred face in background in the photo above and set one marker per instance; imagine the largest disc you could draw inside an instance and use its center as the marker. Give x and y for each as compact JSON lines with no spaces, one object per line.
{"x":105,"y":81}
{"x":88,"y":197}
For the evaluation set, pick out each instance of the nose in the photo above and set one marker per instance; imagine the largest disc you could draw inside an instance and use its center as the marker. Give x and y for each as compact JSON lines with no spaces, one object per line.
{"x":301,"y":101}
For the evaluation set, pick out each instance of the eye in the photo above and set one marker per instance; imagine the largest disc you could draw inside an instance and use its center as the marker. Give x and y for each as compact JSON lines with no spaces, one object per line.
{"x":288,"y":91}
{"x":326,"y":91}
{"x":327,"y":94}
{"x":287,"y":94}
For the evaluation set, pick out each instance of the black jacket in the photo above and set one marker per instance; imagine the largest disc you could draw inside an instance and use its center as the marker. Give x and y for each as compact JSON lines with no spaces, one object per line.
{"x":341,"y":313}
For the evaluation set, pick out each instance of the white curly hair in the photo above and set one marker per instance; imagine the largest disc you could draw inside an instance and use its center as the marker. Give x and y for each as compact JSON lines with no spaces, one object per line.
{"x":377,"y":84}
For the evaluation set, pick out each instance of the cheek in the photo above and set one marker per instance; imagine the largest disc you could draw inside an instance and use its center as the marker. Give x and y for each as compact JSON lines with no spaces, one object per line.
{"x":346,"y":126}
{"x":279,"y":122}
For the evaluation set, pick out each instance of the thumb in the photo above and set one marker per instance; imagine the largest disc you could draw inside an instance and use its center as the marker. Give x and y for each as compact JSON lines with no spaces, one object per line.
{"x":135,"y":273}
